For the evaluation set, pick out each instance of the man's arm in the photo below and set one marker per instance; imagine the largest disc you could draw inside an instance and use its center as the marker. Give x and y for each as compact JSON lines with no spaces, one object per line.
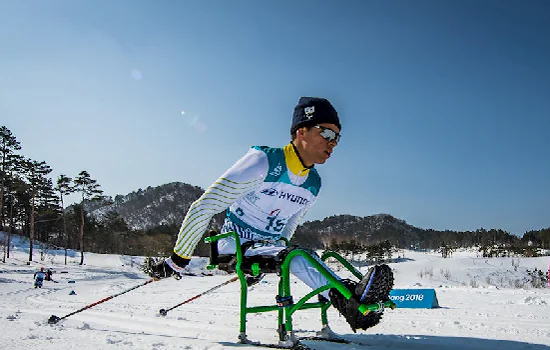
{"x":243,"y":177}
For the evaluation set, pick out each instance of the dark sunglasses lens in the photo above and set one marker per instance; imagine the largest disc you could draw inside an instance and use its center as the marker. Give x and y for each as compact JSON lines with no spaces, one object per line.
{"x":330,"y":135}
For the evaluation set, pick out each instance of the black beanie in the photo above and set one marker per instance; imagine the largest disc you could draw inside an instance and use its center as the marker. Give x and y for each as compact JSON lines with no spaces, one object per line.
{"x":311,"y":111}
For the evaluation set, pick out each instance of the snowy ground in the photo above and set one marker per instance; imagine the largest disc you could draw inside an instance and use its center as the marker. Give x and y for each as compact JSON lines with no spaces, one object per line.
{"x":479,"y":308}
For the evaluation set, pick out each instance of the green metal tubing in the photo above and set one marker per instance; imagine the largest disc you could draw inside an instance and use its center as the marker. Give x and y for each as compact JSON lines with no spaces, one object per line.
{"x":284,"y":239}
{"x":365,"y":309}
{"x":333,"y":281}
{"x":305,"y":298}
{"x":267,"y":308}
{"x":240,"y":273}
{"x":350,"y":267}
{"x":242,"y":279}
{"x":285,"y":277}
{"x":281,"y":312}
{"x":324,"y":318}
{"x":220,"y":236}
{"x":285,"y":313}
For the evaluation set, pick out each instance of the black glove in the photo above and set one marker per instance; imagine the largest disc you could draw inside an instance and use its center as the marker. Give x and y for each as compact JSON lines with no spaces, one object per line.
{"x":162,"y":269}
{"x":252,"y":280}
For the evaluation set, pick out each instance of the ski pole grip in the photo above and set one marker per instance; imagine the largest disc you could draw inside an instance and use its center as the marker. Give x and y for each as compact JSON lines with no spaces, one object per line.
{"x":213,"y":248}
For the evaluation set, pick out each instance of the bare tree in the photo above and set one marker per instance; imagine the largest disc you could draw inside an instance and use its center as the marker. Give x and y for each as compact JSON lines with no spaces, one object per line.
{"x":89,"y":190}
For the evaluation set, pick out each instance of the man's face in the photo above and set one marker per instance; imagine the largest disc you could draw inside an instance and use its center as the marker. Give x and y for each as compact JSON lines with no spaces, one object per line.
{"x":316,"y":142}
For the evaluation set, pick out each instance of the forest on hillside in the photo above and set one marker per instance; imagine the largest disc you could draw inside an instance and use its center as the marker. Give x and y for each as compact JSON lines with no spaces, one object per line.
{"x":146,"y":221}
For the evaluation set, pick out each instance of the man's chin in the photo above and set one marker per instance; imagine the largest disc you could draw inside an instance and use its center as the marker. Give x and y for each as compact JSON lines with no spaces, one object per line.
{"x":321,"y":161}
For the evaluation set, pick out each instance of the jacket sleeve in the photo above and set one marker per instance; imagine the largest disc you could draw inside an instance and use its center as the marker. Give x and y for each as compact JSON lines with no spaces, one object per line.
{"x":243,"y":177}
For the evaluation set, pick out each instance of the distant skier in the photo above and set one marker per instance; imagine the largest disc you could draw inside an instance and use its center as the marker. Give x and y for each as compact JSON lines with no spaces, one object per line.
{"x":49,"y":274}
{"x":39,"y":278}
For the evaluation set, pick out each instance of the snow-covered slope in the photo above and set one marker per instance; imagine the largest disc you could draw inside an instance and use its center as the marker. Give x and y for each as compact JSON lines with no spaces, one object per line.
{"x":479,"y":309}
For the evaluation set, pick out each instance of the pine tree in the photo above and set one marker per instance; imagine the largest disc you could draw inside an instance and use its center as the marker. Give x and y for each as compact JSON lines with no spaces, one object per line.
{"x":116,"y":232}
{"x":8,"y":146}
{"x":64,"y":187}
{"x":34,"y":174}
{"x":89,"y":189}
{"x":15,"y":187}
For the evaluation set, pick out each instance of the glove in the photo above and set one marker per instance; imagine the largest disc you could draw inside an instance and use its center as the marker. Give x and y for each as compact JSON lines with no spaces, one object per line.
{"x":252,"y":280}
{"x":173,"y":266}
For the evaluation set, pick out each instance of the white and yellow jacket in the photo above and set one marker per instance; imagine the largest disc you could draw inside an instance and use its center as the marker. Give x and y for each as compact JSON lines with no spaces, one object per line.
{"x":266,"y":193}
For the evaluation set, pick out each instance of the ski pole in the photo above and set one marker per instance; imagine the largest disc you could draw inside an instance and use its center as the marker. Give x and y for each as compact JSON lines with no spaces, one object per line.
{"x":164,"y":312}
{"x":54,"y":319}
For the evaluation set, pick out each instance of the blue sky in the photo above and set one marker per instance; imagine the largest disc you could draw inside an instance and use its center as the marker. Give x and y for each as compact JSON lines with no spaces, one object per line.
{"x":445,"y":105}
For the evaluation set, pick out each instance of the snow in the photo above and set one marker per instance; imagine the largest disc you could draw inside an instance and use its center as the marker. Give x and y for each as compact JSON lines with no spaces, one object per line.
{"x":480,"y":309}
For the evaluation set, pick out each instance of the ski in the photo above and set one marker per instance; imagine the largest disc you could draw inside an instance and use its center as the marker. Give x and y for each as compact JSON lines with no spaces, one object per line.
{"x":330,"y":340}
{"x":298,"y":346}
{"x":336,"y":340}
{"x":302,"y":346}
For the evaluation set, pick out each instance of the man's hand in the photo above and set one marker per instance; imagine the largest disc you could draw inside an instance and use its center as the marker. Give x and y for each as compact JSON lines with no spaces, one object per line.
{"x":159,"y":269}
{"x":164,"y":268}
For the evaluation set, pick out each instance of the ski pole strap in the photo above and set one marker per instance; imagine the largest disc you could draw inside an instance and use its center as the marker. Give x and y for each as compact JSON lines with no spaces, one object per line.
{"x":284,"y":301}
{"x":213,"y":248}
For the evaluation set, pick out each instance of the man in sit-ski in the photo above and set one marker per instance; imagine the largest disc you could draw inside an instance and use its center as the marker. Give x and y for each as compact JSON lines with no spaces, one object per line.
{"x":267,"y":193}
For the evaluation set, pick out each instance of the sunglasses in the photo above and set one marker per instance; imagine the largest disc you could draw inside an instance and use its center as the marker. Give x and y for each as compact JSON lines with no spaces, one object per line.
{"x":328,"y":134}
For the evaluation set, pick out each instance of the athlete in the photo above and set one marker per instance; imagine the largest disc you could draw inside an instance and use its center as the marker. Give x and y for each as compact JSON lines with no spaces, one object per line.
{"x":39,"y":278}
{"x":267,"y":193}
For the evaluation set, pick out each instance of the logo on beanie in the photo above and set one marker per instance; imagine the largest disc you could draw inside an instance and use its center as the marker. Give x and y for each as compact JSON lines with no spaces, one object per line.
{"x":309,"y":112}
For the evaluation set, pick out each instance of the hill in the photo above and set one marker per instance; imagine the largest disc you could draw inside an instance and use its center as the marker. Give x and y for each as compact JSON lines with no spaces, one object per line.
{"x":149,"y":208}
{"x":166,"y":205}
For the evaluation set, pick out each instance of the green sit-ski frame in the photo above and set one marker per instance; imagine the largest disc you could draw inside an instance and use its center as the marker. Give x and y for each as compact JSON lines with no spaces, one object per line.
{"x":287,"y":308}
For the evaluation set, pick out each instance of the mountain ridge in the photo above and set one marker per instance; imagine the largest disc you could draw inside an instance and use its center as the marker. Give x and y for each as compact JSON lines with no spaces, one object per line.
{"x":166,"y":205}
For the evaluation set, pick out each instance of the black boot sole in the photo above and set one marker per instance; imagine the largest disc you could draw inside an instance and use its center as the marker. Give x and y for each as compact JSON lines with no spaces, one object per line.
{"x":380,"y":286}
{"x":379,"y":291}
